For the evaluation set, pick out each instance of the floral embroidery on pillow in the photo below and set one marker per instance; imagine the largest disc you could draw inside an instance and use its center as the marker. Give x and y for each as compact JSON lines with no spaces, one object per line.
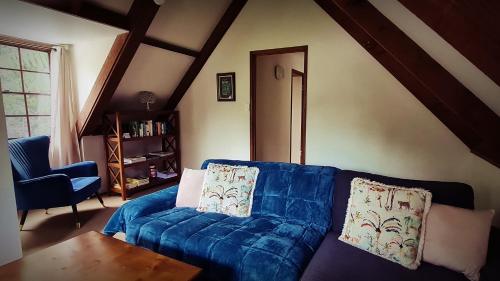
{"x":228,"y":190}
{"x":388,"y":221}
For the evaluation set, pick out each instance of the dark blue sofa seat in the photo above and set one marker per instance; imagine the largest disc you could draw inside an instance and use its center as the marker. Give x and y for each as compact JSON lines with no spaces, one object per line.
{"x":336,"y":260}
{"x":291,"y":214}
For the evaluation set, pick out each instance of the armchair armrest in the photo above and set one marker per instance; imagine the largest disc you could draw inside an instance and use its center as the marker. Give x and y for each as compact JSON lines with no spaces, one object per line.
{"x":77,"y":170}
{"x":44,"y":192}
{"x":142,"y":206}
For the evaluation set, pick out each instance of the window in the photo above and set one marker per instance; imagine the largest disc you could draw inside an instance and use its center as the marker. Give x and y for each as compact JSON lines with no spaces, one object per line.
{"x":25,"y":82}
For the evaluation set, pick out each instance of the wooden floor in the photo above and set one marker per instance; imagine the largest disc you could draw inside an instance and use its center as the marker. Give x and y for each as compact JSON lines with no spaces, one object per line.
{"x":43,"y":230}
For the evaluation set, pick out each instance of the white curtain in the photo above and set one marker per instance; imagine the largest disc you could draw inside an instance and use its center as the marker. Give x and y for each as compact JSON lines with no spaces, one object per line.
{"x":64,"y":147}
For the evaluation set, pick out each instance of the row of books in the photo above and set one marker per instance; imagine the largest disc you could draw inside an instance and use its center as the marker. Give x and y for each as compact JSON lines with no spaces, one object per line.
{"x":147,"y":128}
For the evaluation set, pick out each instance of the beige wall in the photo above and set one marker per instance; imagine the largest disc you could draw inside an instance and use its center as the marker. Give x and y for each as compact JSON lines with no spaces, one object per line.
{"x":273,"y":101}
{"x":10,"y":244}
{"x":359,"y":116}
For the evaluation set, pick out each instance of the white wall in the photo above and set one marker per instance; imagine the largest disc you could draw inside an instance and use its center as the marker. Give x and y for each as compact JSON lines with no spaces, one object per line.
{"x":273,"y":103}
{"x":10,"y":243}
{"x":358,"y":116}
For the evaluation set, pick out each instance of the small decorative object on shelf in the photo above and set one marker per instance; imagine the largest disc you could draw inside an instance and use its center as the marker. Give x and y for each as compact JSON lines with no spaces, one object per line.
{"x":147,"y":98}
{"x":152,"y":171}
{"x":158,"y":128}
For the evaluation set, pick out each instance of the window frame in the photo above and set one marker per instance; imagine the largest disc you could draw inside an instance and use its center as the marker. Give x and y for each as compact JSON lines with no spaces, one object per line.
{"x":30,"y":45}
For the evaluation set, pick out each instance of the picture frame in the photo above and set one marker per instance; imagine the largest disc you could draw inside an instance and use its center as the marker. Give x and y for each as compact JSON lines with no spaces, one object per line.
{"x":226,"y":86}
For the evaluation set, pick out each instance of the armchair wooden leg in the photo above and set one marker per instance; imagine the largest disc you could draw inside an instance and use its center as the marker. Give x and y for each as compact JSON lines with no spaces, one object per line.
{"x":100,"y":199}
{"x":75,"y":214}
{"x":23,"y":219}
{"x":46,"y":211}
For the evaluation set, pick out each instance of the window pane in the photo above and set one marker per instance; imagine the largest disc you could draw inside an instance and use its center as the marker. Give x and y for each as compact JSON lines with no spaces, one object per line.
{"x":38,"y":104}
{"x":36,"y":83}
{"x":35,"y":60}
{"x":9,"y":57}
{"x":14,"y":104}
{"x":10,"y":80}
{"x":17,"y":127}
{"x":40,"y":125}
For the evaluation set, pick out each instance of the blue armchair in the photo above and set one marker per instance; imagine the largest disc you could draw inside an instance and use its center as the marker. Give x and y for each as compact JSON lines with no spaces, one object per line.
{"x":37,"y":186}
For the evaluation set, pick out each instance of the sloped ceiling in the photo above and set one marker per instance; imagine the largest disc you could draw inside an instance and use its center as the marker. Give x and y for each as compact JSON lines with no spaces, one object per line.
{"x":187,"y":23}
{"x":151,"y":69}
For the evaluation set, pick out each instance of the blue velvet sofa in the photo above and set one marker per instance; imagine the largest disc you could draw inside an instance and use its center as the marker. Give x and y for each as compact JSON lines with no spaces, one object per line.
{"x":291,"y":215}
{"x":297,"y":216}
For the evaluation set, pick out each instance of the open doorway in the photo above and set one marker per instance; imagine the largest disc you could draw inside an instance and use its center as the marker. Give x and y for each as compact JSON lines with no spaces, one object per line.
{"x":278,"y":89}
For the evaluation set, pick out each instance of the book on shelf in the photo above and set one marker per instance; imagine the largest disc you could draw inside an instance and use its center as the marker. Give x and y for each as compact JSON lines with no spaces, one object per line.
{"x":136,"y":159}
{"x":165,"y":175}
{"x":134,"y":182}
{"x":161,"y":153}
{"x":147,"y":128}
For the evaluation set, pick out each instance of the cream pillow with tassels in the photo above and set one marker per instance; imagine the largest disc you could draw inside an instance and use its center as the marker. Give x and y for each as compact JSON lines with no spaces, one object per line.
{"x":387,"y":220}
{"x":228,"y":190}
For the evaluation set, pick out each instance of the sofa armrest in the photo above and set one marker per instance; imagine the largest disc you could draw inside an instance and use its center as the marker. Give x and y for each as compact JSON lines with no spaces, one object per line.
{"x":44,"y":192}
{"x":155,"y":202}
{"x":78,"y":170}
{"x":491,"y":270}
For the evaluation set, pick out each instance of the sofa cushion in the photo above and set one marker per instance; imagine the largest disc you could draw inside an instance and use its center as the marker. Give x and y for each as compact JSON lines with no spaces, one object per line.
{"x":387,"y":221}
{"x":228,"y":190}
{"x":335,"y":260}
{"x":190,"y":188}
{"x":298,"y":193}
{"x":449,"y":193}
{"x":228,"y":248}
{"x":457,"y":238}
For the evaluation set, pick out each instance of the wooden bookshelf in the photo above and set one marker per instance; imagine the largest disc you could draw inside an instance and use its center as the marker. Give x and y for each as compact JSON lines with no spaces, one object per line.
{"x":118,"y":124}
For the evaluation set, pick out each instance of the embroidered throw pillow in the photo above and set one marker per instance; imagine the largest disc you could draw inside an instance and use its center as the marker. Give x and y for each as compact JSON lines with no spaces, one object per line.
{"x":386,"y":220}
{"x":228,"y":190}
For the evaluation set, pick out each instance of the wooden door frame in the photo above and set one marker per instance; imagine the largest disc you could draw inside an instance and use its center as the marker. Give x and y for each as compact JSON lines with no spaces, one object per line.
{"x":253,"y":95}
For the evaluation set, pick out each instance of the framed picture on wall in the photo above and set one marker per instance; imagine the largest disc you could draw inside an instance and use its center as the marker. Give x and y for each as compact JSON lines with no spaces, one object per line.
{"x":226,"y":86}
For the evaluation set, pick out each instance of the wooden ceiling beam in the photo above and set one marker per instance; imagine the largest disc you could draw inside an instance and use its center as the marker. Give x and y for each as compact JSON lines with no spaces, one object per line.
{"x":93,"y":12}
{"x":140,"y":16}
{"x":460,"y":110}
{"x":222,"y":26}
{"x":471,"y":27}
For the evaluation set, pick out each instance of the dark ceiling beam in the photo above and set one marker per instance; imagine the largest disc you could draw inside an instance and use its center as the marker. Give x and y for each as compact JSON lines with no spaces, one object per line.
{"x":169,"y":46}
{"x":93,"y":12}
{"x":140,"y":16}
{"x":471,"y":27}
{"x":222,"y":26}
{"x":459,"y":109}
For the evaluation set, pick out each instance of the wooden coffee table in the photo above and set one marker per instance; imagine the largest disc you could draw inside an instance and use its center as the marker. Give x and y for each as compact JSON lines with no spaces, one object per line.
{"x":94,"y":256}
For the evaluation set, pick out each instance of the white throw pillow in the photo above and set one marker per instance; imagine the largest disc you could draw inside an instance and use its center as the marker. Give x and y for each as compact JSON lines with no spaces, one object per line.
{"x":228,"y":190}
{"x":190,"y":188}
{"x":457,"y":238}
